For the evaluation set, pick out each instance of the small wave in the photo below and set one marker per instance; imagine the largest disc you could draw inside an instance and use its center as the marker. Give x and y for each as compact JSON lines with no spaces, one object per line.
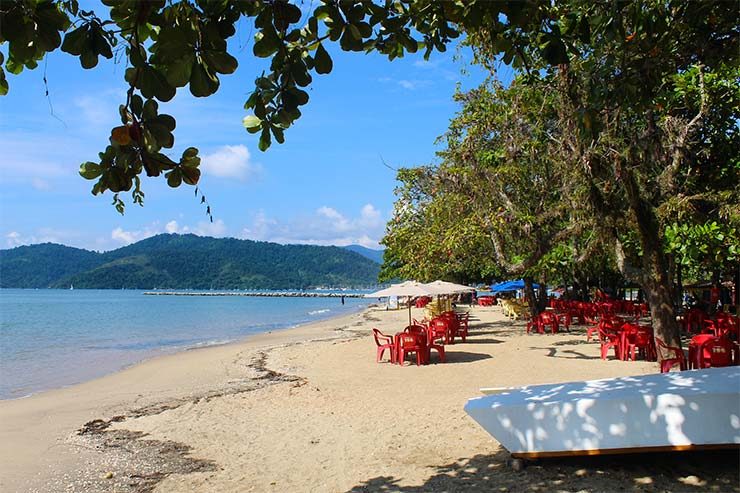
{"x":317,"y":312}
{"x":214,"y":342}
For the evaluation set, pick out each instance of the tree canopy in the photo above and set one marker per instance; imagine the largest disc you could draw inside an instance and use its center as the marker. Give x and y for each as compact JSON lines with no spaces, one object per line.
{"x":637,"y":134}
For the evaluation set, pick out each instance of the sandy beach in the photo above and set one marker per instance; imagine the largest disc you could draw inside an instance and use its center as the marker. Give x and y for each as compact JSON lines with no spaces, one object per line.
{"x":309,"y":409}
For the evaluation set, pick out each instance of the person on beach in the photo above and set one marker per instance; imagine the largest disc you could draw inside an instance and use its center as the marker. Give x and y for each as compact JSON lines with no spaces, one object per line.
{"x":343,"y":299}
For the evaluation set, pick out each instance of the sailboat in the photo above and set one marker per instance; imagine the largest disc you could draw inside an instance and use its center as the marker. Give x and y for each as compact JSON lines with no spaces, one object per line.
{"x":71,"y":287}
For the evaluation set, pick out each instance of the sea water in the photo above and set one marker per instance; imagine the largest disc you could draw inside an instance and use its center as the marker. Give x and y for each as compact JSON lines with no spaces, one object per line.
{"x":54,"y":338}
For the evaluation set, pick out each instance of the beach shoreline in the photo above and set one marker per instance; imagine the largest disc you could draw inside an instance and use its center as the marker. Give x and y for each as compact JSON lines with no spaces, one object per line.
{"x":26,"y":430}
{"x":102,"y":356}
{"x":309,"y":409}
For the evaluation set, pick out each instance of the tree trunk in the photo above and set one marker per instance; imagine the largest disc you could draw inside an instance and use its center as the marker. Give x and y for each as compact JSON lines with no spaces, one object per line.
{"x":657,"y":286}
{"x":679,"y":284}
{"x":535,"y":307}
{"x":542,"y":300}
{"x":654,"y":277}
{"x":736,"y":278}
{"x":660,"y":299}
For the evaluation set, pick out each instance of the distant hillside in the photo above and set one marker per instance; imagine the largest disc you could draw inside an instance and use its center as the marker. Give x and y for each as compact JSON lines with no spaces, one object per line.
{"x":186,"y":261}
{"x":374,"y":255}
{"x":40,"y":266}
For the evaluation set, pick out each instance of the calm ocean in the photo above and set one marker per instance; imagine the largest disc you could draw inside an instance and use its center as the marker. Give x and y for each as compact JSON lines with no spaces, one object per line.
{"x":54,"y":338}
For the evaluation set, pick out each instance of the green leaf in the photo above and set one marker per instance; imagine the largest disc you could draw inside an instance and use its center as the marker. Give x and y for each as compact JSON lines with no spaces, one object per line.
{"x":278,"y":133}
{"x":174,"y":178}
{"x":265,"y":139}
{"x":190,"y":153}
{"x":150,"y":109}
{"x":553,"y":51}
{"x":294,"y":97}
{"x":90,"y":171}
{"x":190,"y":175}
{"x":14,"y":67}
{"x":251,"y":121}
{"x":88,"y":58}
{"x":266,"y":43}
{"x":154,"y":85}
{"x":3,"y":81}
{"x":322,"y":60}
{"x":137,"y":104}
{"x":202,"y":84}
{"x":300,"y":74}
{"x":221,"y":62}
{"x":179,"y":72}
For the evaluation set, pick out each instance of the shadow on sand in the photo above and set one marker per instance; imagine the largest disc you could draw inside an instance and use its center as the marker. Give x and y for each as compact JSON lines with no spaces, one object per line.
{"x":563,"y":353}
{"x":453,"y":356}
{"x":677,"y":471}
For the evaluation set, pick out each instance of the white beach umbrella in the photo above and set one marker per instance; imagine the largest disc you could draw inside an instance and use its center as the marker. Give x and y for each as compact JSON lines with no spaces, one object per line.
{"x":444,"y":287}
{"x":408,"y":288}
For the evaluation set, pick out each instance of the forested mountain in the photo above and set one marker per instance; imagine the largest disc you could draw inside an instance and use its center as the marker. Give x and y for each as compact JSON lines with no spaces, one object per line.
{"x":186,"y":262}
{"x":374,"y":255}
{"x":43,"y":265}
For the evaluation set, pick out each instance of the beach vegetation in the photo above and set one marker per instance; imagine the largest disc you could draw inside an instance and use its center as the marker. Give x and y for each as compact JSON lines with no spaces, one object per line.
{"x":638,"y":132}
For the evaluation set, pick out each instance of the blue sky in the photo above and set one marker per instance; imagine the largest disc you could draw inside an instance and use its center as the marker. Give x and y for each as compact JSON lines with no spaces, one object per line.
{"x":326,"y":185}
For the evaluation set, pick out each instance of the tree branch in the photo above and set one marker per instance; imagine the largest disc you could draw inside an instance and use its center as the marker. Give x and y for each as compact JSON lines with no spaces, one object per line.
{"x":667,"y":178}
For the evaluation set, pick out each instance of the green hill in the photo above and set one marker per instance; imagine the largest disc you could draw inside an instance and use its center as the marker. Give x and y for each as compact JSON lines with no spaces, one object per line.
{"x":42,"y":265}
{"x":374,"y":255}
{"x":187,"y":261}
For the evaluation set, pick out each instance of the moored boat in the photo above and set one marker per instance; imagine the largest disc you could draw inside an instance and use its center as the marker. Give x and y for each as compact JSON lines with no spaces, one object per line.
{"x":669,"y":411}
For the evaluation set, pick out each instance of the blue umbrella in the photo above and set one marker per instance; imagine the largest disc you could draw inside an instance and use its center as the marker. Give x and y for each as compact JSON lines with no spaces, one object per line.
{"x":511,"y":286}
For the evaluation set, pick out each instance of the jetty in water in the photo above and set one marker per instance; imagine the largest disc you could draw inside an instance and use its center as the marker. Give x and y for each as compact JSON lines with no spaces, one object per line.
{"x":264,"y":294}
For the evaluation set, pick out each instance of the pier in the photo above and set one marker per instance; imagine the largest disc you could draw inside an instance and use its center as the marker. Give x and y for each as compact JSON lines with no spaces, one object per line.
{"x":263,"y":294}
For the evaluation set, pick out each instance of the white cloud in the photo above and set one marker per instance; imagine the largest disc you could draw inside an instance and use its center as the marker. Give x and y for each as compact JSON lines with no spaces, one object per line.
{"x":40,"y":184}
{"x":230,"y":162}
{"x":171,"y":227}
{"x":261,"y":227}
{"x":99,"y":109}
{"x":14,"y":239}
{"x":325,"y":226}
{"x":407,"y":84}
{"x":42,"y":235}
{"x":203,"y":228}
{"x":370,"y":216}
{"x":216,"y":228}
{"x":126,"y":237}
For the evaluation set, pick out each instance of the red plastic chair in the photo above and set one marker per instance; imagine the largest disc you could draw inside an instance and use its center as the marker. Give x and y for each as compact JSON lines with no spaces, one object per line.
{"x":429,"y":344}
{"x":534,"y":323}
{"x":638,"y":340}
{"x":462,"y":321}
{"x":695,"y":349}
{"x":693,"y":320}
{"x":438,"y":330}
{"x":715,"y":353}
{"x":668,"y":363}
{"x":551,"y":319}
{"x":453,"y":326}
{"x":421,"y":331}
{"x":384,"y":342}
{"x":407,"y":343}
{"x":591,"y":330}
{"x":609,"y":339}
{"x":725,"y":326}
{"x":422,"y":301}
{"x":604,"y":323}
{"x":415,"y":329}
{"x":564,"y":319}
